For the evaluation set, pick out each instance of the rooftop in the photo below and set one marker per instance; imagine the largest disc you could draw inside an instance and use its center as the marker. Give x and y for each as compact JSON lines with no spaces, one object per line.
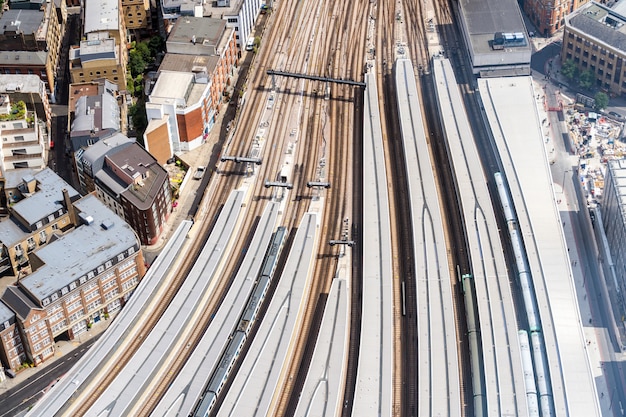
{"x":173,"y":88}
{"x":95,"y":114}
{"x":23,"y":58}
{"x":95,"y":153}
{"x":18,"y":301}
{"x":90,"y":88}
{"x":21,"y":21}
{"x":91,"y":50}
{"x":101,"y":238}
{"x":46,"y":200}
{"x":189,"y":63}
{"x":23,"y":83}
{"x":600,"y":22}
{"x":197,"y":30}
{"x":135,"y":159}
{"x":484,"y":18}
{"x":6,"y":314}
{"x":101,"y":15}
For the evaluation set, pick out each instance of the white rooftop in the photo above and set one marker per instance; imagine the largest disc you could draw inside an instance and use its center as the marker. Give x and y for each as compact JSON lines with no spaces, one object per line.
{"x":101,"y":15}
{"x":515,"y":123}
{"x":171,"y":86}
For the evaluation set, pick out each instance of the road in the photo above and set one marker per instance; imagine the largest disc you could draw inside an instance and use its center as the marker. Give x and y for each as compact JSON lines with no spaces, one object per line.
{"x":591,"y":289}
{"x":20,"y":398}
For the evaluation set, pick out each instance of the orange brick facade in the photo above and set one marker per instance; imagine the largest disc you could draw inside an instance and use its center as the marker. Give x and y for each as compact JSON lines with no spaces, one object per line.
{"x":548,"y":15}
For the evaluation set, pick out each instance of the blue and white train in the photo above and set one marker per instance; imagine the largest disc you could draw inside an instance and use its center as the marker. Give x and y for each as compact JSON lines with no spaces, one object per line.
{"x":246,"y":322}
{"x":538,"y":367}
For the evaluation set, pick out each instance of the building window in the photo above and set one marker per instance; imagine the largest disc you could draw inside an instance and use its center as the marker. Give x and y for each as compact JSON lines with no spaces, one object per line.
{"x":584,"y":64}
{"x":594,"y":58}
{"x":577,"y":50}
{"x":602,"y":61}
{"x":609,"y":65}
{"x":585,"y":54}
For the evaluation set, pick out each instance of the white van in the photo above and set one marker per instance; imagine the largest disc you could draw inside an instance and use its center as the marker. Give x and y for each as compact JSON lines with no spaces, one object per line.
{"x":250,"y":44}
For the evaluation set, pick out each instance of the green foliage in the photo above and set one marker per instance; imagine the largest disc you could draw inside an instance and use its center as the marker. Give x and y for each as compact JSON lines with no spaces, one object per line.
{"x":137,"y":113}
{"x":18,"y":111}
{"x":586,"y":79}
{"x":136,"y":63}
{"x":569,"y":70}
{"x":143,"y":49}
{"x":602,"y":101}
{"x":130,"y":85}
{"x":156,"y":44}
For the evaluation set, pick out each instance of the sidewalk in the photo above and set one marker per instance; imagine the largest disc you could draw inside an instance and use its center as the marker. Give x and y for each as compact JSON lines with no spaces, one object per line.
{"x":62,"y":348}
{"x":205,"y":155}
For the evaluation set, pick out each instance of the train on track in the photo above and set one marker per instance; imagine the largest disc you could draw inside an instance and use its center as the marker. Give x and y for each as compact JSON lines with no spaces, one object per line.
{"x":538,"y":367}
{"x":246,"y":322}
{"x":475,"y":346}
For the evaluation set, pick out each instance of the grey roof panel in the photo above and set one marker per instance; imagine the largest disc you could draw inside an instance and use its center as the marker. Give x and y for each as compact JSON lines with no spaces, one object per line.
{"x":6,"y":314}
{"x":18,"y":302}
{"x":88,"y":246}
{"x":21,"y":21}
{"x":47,"y":200}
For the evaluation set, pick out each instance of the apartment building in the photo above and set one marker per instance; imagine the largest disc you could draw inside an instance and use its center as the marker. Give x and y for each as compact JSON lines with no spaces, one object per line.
{"x":32,"y":91}
{"x":30,"y":43}
{"x":240,"y":15}
{"x":53,"y":293}
{"x":548,"y":16}
{"x":22,"y":143}
{"x":11,"y":348}
{"x":614,"y":221}
{"x":130,"y":182}
{"x":103,"y":51}
{"x":594,"y":39}
{"x":190,"y":87}
{"x":137,"y":14}
{"x":95,"y":117}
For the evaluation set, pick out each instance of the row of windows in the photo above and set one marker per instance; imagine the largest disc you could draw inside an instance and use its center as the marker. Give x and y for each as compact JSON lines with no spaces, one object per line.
{"x":104,"y":72}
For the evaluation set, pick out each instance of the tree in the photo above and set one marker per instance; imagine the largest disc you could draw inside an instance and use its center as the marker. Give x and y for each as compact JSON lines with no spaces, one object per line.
{"x":602,"y":101}
{"x":156,"y":44}
{"x":143,"y":49}
{"x":586,"y":79}
{"x":569,"y":70}
{"x":136,"y":63}
{"x":137,"y":113}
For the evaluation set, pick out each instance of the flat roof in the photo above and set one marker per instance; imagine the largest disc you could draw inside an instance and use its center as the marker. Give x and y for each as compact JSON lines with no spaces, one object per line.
{"x":20,"y":83}
{"x":189,"y":63}
{"x":101,"y":15}
{"x":601,"y":23}
{"x":483,"y":18}
{"x":94,"y":49}
{"x":204,"y":30}
{"x":47,"y":199}
{"x":171,"y":85}
{"x":21,"y":21}
{"x":81,"y":250}
{"x":511,"y":109}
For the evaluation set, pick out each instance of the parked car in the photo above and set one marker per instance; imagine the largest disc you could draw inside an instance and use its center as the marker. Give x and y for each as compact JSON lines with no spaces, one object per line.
{"x":616,"y":115}
{"x":199,"y":173}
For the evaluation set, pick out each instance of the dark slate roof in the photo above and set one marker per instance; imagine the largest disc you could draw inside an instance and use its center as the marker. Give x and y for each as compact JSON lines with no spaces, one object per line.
{"x":18,"y":301}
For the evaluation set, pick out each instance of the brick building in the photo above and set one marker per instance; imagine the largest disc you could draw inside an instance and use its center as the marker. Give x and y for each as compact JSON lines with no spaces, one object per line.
{"x":30,"y":43}
{"x":131,"y":183}
{"x":189,"y":91}
{"x":595,"y":39}
{"x":52,"y":293}
{"x":103,"y":51}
